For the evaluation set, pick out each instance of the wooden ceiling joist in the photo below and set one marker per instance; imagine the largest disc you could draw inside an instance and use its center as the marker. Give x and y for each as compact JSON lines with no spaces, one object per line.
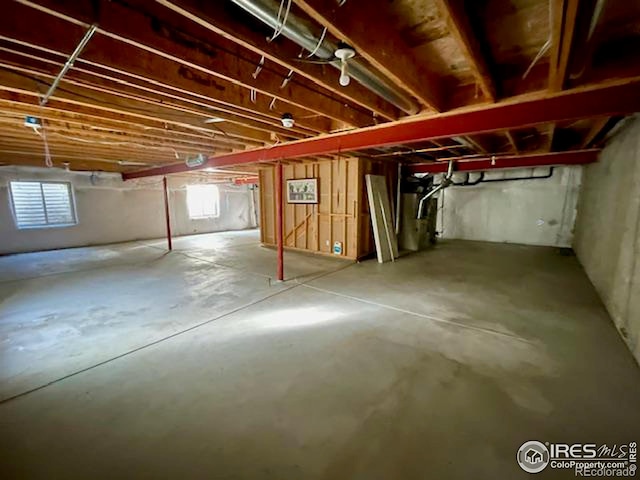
{"x":58,"y":137}
{"x":460,"y":27}
{"x":84,"y":79}
{"x":614,"y":98}
{"x":74,"y":129}
{"x":597,"y":127}
{"x":138,"y":157}
{"x":372,"y":36}
{"x":135,"y":158}
{"x":564,"y":14}
{"x":88,"y":120}
{"x":216,"y":17}
{"x":111,"y":59}
{"x":36,"y":160}
{"x":11,"y":127}
{"x":167,"y":77}
{"x":151,"y":122}
{"x":194,"y":48}
{"x":512,"y":141}
{"x":112,"y":107}
{"x":120,"y":107}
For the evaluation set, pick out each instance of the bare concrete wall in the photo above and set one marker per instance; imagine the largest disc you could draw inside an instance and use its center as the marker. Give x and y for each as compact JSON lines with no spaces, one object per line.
{"x":607,"y":238}
{"x":110,"y":210}
{"x":533,"y":212}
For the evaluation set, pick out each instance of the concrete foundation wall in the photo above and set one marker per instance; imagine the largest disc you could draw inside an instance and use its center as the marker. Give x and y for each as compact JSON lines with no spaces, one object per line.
{"x":533,"y":212}
{"x":110,"y":210}
{"x":607,"y":238}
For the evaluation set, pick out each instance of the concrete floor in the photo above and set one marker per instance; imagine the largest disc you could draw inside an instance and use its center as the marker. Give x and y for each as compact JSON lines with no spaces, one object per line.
{"x":125,"y":362}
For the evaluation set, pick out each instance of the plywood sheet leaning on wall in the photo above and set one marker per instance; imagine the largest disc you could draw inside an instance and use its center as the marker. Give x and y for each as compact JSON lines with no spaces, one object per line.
{"x":389,"y":170}
{"x":382,"y":218}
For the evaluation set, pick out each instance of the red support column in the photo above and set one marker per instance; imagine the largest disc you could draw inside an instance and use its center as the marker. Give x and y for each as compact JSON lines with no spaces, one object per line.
{"x":166,"y":211}
{"x":279,"y":222}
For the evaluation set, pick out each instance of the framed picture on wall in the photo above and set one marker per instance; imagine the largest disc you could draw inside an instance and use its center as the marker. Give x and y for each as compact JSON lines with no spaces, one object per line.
{"x":304,"y":190}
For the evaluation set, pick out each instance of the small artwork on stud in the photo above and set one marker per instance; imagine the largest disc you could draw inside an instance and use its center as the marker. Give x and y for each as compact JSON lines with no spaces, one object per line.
{"x":302,"y":191}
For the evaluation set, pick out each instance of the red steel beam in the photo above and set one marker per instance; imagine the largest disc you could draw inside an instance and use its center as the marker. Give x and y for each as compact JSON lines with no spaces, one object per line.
{"x":246,"y":180}
{"x":576,"y":157}
{"x":610,"y":99}
{"x":279,"y":222}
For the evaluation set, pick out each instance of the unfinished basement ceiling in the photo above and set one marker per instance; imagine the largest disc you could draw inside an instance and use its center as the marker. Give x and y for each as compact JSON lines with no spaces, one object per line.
{"x":164,"y":81}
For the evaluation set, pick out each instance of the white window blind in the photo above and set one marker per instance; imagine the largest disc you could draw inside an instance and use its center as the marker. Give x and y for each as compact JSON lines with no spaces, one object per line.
{"x":203,"y":201}
{"x":42,"y":204}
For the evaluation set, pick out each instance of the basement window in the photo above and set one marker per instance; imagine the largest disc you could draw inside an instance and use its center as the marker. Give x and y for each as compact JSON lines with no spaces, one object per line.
{"x":42,"y":204}
{"x":203,"y":201}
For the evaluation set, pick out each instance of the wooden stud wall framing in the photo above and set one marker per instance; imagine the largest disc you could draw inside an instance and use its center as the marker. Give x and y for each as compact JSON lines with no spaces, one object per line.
{"x":342,"y":214}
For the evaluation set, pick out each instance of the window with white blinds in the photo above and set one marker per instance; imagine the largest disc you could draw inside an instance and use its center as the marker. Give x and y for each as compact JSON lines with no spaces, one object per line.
{"x":42,"y":204}
{"x":203,"y":201}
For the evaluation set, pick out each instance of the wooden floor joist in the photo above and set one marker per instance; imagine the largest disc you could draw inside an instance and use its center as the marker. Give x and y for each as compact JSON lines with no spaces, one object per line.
{"x":599,"y":100}
{"x":214,"y":77}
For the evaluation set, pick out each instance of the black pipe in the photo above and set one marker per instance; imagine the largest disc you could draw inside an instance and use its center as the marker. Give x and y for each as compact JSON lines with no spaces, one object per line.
{"x":538,"y":177}
{"x":481,"y":179}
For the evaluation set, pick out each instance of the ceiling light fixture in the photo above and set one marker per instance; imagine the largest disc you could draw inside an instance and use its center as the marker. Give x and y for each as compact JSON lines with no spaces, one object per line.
{"x":344,"y":53}
{"x":287,"y":120}
{"x":195,"y":160}
{"x":214,"y":120}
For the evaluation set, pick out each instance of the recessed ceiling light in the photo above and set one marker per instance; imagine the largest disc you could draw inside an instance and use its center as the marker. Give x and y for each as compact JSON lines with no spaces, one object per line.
{"x":214,"y":120}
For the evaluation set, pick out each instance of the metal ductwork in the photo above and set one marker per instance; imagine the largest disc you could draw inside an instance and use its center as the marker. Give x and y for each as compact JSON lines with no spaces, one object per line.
{"x":303,"y":33}
{"x":446,"y":181}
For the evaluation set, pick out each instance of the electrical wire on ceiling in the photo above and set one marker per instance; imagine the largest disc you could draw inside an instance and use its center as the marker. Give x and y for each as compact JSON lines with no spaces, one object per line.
{"x":545,"y":47}
{"x":287,"y":79}
{"x":276,"y":142}
{"x":258,"y":68}
{"x":315,"y":50}
{"x":47,"y":155}
{"x":280,"y":26}
{"x":103,"y":102}
{"x":189,"y":40}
